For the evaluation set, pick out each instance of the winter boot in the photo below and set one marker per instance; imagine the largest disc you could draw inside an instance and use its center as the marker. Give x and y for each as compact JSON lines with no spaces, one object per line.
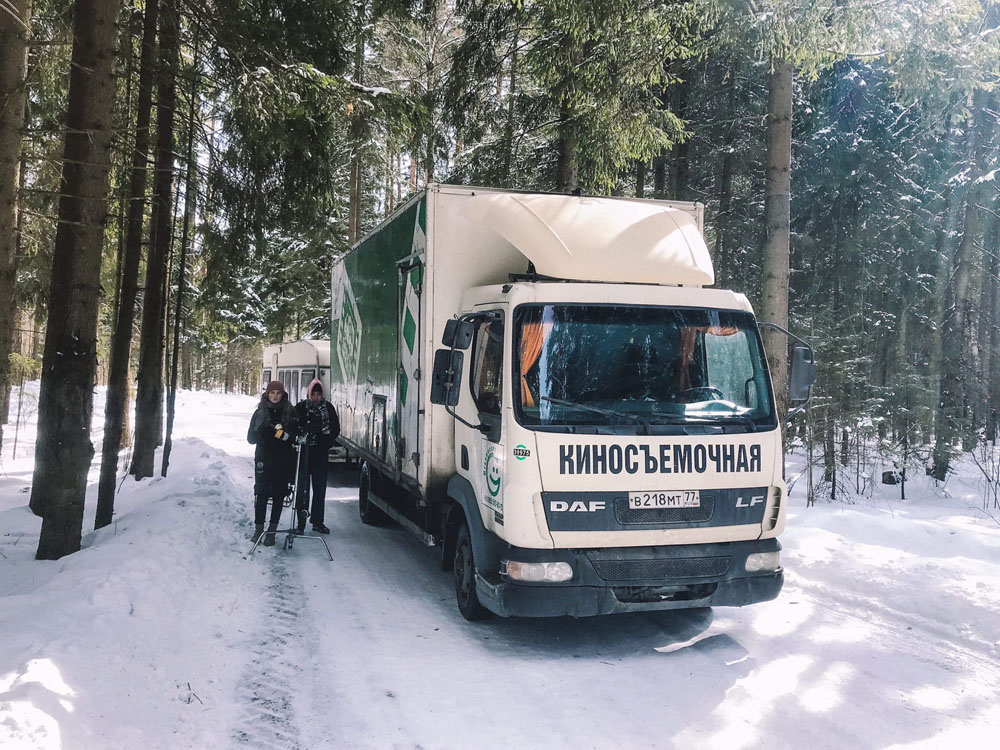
{"x":269,"y":536}
{"x":303,"y":515}
{"x":258,"y":529}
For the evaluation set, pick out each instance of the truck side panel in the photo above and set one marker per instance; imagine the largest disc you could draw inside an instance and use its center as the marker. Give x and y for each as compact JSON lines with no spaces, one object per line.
{"x":370,"y":318}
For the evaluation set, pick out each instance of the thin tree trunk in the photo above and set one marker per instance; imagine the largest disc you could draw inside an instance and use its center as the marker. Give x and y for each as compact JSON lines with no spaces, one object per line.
{"x":116,"y":418}
{"x":63,"y":450}
{"x":190,"y":196}
{"x":777,"y":216}
{"x":149,"y":396}
{"x":15,"y":29}
{"x":640,"y":179}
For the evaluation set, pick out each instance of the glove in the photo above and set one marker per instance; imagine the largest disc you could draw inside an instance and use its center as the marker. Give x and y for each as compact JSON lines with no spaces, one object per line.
{"x":280,"y":434}
{"x":301,"y":440}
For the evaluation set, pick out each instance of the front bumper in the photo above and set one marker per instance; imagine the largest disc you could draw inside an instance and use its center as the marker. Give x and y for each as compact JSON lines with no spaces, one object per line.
{"x":636,"y":579}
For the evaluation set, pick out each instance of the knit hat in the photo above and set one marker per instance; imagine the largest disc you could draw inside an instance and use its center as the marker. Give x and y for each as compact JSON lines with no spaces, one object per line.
{"x":275,"y":385}
{"x":315,"y":385}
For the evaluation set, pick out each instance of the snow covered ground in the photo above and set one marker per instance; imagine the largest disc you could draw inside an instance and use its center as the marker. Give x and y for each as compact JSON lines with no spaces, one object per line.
{"x":159,"y":634}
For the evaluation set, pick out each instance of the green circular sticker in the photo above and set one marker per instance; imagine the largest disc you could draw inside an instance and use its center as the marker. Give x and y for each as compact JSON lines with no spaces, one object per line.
{"x":521,"y":452}
{"x":492,"y":471}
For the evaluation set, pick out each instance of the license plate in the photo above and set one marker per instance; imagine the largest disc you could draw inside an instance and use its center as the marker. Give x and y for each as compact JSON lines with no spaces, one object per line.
{"x":675,"y":499}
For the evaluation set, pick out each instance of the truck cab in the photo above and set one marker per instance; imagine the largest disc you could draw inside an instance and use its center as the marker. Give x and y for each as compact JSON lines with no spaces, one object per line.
{"x":621,"y":446}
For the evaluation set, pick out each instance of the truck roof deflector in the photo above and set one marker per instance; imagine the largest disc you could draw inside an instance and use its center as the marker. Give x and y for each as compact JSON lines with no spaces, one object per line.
{"x":606,"y":239}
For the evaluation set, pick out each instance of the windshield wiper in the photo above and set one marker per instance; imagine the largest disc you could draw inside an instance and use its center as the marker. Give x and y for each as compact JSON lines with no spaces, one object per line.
{"x":596,"y":410}
{"x":709,"y":419}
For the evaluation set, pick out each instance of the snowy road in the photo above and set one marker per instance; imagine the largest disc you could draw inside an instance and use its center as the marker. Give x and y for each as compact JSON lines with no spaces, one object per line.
{"x":400,"y":668}
{"x":159,"y":634}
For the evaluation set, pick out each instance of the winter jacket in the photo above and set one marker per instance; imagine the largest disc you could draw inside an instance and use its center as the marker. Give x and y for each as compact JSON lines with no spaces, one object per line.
{"x":274,"y":456}
{"x":318,"y":422}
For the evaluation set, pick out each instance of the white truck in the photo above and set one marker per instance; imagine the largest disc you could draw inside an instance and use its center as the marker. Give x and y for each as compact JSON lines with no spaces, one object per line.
{"x":542,"y":385}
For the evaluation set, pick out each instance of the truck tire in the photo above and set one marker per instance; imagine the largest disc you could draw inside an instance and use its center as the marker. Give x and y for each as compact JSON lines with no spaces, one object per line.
{"x":371,"y":514}
{"x":465,"y":577}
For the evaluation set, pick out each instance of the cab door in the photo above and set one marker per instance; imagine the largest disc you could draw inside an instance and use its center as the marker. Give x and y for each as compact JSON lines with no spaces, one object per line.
{"x":486,"y":378}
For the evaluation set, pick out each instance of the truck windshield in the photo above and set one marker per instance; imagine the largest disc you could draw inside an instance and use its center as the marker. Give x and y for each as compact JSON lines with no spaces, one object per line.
{"x":610,"y":366}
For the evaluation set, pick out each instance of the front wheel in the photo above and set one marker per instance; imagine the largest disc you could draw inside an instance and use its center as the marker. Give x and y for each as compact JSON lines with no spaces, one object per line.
{"x":465,"y":578}
{"x":370,"y":513}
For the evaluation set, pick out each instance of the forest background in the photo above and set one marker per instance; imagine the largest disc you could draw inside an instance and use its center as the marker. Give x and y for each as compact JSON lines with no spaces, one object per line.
{"x":177,"y":178}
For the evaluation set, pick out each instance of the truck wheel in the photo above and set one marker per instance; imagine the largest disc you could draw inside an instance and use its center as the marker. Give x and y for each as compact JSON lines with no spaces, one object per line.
{"x":370,"y":514}
{"x":465,"y":578}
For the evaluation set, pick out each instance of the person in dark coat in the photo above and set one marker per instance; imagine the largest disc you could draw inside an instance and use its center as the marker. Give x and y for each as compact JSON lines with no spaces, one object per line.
{"x":273,"y":429}
{"x":320,"y":427}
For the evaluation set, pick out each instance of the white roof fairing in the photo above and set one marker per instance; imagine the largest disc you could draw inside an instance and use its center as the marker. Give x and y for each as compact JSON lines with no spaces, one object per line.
{"x":598,"y":239}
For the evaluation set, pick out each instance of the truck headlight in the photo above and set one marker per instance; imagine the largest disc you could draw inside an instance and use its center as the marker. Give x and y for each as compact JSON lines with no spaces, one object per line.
{"x":549,"y":572}
{"x":761,"y":561}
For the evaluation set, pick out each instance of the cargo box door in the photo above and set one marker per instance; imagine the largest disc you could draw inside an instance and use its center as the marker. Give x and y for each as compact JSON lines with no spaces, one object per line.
{"x":411,"y":276}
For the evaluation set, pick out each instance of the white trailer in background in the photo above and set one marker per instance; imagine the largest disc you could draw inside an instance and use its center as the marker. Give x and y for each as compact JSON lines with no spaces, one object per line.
{"x":295,"y":364}
{"x":543,"y":386}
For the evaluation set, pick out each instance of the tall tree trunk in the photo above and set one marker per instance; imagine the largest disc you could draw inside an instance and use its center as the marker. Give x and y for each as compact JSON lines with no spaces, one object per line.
{"x":508,"y":134}
{"x":660,"y":176}
{"x":679,"y":162}
{"x":116,"y":405}
{"x":63,"y":451}
{"x":992,"y":312}
{"x":777,"y":216}
{"x":640,"y":179}
{"x":723,"y":270}
{"x":986,"y":404}
{"x":190,"y":196}
{"x":951,"y":422}
{"x":149,"y":395}
{"x":357,"y":129}
{"x":15,"y":28}
{"x":567,"y":148}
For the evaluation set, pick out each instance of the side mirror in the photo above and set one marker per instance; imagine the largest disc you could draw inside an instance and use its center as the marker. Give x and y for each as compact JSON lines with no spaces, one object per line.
{"x":446,"y":376}
{"x":802,"y":374}
{"x":458,"y":334}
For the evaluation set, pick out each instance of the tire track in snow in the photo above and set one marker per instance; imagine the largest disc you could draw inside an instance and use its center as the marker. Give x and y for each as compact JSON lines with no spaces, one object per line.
{"x":268,"y":687}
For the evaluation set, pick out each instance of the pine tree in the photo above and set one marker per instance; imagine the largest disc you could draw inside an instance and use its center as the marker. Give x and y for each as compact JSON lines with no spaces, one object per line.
{"x":63,"y":450}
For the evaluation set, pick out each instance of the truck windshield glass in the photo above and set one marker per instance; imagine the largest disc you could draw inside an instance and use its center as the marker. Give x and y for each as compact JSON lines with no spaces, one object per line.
{"x":616,"y":365}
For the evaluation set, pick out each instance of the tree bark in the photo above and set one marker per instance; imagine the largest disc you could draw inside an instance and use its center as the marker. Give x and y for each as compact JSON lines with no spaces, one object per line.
{"x":15,"y":29}
{"x":567,"y":148}
{"x":723,"y":270}
{"x":63,"y":451}
{"x":190,"y":196}
{"x":680,"y":161}
{"x":116,"y":405}
{"x":149,"y":395}
{"x":354,"y":207}
{"x":508,"y":136}
{"x":660,"y":176}
{"x":777,"y":216}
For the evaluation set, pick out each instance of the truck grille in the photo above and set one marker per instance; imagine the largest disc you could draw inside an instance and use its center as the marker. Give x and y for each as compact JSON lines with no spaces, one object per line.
{"x":624,"y":515}
{"x":661,"y":570}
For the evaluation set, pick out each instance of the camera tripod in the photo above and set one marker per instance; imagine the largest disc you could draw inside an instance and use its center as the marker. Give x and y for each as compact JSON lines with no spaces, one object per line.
{"x":298,"y":515}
